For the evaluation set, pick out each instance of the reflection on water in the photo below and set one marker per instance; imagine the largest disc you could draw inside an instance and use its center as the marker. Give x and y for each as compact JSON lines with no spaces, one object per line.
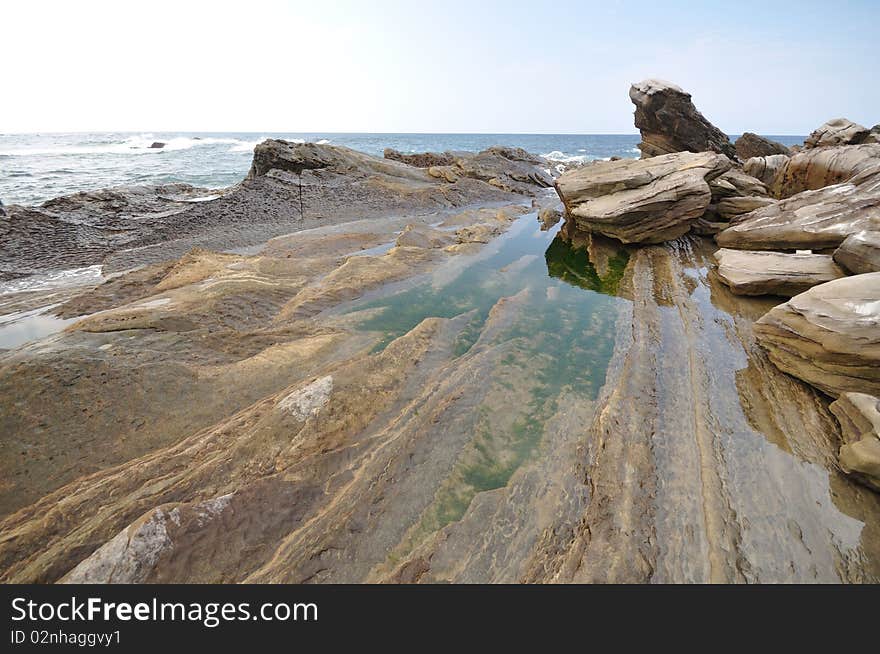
{"x":24,"y":326}
{"x":542,"y":319}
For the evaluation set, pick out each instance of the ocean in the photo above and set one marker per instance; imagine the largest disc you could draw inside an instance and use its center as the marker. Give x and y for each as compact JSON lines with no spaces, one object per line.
{"x":37,"y":167}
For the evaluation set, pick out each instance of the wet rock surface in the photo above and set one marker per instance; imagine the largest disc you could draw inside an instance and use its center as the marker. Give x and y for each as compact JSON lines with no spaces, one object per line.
{"x":859,"y":418}
{"x":829,"y":336}
{"x":669,"y":122}
{"x":749,"y":272}
{"x":641,"y":201}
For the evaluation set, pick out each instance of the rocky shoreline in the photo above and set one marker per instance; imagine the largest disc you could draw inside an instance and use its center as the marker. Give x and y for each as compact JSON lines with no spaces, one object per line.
{"x":433,"y":368}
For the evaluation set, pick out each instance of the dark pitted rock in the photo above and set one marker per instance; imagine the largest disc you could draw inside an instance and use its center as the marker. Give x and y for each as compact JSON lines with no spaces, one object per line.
{"x":828,"y":336}
{"x":751,"y":145}
{"x":860,"y":253}
{"x":766,"y":168}
{"x":837,"y":131}
{"x":812,"y":220}
{"x":421,"y":159}
{"x":816,"y":168}
{"x":859,"y":418}
{"x":750,"y":272}
{"x":641,"y":200}
{"x":669,"y":122}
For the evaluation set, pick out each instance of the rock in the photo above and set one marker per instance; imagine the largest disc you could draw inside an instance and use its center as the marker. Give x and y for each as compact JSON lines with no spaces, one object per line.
{"x":669,"y":122}
{"x":736,"y":183}
{"x":859,"y":418}
{"x":641,"y":201}
{"x":837,"y":131}
{"x":749,"y":272}
{"x":421,"y":159}
{"x":860,"y":253}
{"x":549,"y":217}
{"x":751,"y":145}
{"x":816,"y":168}
{"x":813,"y":220}
{"x":511,"y":169}
{"x":766,"y":168}
{"x":828,"y":336}
{"x":732,"y":208}
{"x":422,"y":236}
{"x":157,"y":145}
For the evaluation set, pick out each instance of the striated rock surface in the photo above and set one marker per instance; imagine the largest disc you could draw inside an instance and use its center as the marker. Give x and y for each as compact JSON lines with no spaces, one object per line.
{"x":751,"y":145}
{"x":829,"y":336}
{"x":669,"y":122}
{"x":812,"y":220}
{"x":766,"y":168}
{"x":421,"y":159}
{"x":819,"y":167}
{"x":641,"y":201}
{"x":749,"y":272}
{"x":837,"y":131}
{"x":859,"y":418}
{"x":860,"y":252}
{"x":511,"y":169}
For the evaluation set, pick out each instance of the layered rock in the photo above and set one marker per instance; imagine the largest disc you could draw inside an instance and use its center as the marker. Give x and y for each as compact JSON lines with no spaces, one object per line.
{"x":511,"y":169}
{"x":669,"y":122}
{"x":420,"y":159}
{"x":828,"y":336}
{"x":641,"y":201}
{"x":860,"y":252}
{"x":749,"y":272}
{"x":813,"y":220}
{"x":816,"y":168}
{"x":766,"y":168}
{"x":859,"y":418}
{"x":837,"y":131}
{"x":751,"y":145}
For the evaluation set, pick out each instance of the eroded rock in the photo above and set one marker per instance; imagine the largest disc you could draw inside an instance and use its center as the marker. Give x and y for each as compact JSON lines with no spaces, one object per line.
{"x":749,"y":272}
{"x":669,"y":121}
{"x":641,"y":201}
{"x":828,"y":336}
{"x":816,"y":168}
{"x":751,"y":145}
{"x":860,"y":252}
{"x":837,"y":131}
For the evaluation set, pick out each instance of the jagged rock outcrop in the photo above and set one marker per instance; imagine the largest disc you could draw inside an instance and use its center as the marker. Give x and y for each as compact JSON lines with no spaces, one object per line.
{"x":511,"y":169}
{"x":816,"y":168}
{"x":420,"y":159}
{"x":751,"y":272}
{"x":859,"y":418}
{"x":733,"y":194}
{"x":860,"y":252}
{"x":828,"y":336}
{"x":644,"y":200}
{"x":837,"y":131}
{"x":812,"y":220}
{"x":766,"y":169}
{"x":752,"y":145}
{"x":669,"y":122}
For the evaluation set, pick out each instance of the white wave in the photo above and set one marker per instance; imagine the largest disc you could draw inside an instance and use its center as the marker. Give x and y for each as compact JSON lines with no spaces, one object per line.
{"x":561,"y":157}
{"x":57,"y":279}
{"x":139,"y":144}
{"x":323,"y":142}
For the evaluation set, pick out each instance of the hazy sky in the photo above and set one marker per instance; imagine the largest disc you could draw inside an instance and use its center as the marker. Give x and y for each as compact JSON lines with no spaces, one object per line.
{"x":772,"y":66}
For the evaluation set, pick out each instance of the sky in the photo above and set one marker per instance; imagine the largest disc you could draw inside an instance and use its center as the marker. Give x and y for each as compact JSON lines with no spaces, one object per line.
{"x":773,"y":67}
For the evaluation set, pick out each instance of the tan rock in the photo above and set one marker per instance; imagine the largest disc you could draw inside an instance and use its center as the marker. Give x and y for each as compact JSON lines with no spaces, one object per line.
{"x":812,"y":219}
{"x":766,"y":168}
{"x":828,"y":336}
{"x":816,"y":168}
{"x":837,"y":131}
{"x":859,"y":418}
{"x":749,"y":272}
{"x":860,"y":253}
{"x":641,"y":201}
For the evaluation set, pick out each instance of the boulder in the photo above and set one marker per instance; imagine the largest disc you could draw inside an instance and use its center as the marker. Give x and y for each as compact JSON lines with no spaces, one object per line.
{"x":736,"y":183}
{"x":860,"y":253}
{"x":549,"y":217}
{"x":510,"y":169}
{"x":837,"y":131}
{"x":157,"y":145}
{"x":641,"y":200}
{"x":751,"y":145}
{"x":421,"y":159}
{"x":766,"y":168}
{"x":730,"y":209}
{"x":751,"y":272}
{"x":828,"y":336}
{"x":669,"y":122}
{"x":859,"y":418}
{"x":819,"y":167}
{"x":812,"y":220}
